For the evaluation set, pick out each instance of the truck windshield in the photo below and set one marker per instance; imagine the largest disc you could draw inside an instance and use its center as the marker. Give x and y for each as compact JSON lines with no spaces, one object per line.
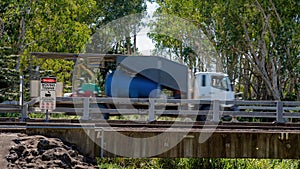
{"x":220,"y":82}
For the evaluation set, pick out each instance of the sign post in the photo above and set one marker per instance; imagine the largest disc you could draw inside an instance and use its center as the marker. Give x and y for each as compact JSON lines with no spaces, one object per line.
{"x":47,"y":95}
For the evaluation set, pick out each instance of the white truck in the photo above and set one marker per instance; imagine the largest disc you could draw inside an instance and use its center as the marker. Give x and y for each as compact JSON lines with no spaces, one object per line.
{"x":152,"y":76}
{"x":116,"y":75}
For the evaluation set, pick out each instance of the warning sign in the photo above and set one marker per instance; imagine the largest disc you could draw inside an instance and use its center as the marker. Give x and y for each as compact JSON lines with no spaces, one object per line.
{"x":47,"y":93}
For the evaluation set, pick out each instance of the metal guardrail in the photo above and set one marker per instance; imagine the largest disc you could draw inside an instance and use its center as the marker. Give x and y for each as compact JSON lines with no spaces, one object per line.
{"x":85,"y":107}
{"x":7,"y":108}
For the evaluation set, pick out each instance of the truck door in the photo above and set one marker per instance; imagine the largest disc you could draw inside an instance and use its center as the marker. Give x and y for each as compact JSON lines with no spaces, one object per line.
{"x":203,"y":87}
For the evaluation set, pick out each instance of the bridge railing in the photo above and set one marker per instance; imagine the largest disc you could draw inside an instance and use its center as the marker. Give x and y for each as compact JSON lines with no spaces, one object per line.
{"x":87,"y":107}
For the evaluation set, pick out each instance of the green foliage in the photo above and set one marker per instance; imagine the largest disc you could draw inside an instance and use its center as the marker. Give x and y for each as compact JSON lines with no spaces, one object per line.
{"x":169,"y":163}
{"x":260,"y":164}
{"x":52,"y":116}
{"x":58,"y":26}
{"x":43,"y":26}
{"x":118,"y":9}
{"x":13,"y":115}
{"x":63,"y":116}
{"x":50,"y":26}
{"x":37,"y":115}
{"x":118,"y":23}
{"x":257,"y":41}
{"x":128,"y":163}
{"x":195,"y":163}
{"x":9,"y":76}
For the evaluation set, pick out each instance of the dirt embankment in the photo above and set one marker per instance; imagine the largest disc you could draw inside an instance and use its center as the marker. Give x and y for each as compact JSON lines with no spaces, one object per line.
{"x":19,"y":151}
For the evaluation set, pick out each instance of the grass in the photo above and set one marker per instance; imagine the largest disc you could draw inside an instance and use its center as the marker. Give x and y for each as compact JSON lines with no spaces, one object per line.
{"x":193,"y":163}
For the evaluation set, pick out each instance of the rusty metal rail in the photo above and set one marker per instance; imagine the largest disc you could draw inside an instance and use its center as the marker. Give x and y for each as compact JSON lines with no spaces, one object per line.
{"x":38,"y":123}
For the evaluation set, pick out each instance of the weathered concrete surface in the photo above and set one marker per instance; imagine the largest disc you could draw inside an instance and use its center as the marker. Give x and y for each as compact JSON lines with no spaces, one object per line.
{"x":221,"y":143}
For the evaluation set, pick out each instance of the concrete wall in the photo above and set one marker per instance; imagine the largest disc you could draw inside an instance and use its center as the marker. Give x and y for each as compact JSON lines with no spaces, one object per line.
{"x":221,"y":144}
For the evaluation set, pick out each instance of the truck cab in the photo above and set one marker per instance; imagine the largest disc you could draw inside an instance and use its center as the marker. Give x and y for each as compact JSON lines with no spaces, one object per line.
{"x":210,"y":86}
{"x":213,"y":86}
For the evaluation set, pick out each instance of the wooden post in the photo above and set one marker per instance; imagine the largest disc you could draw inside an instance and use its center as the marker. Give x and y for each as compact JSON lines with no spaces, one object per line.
{"x":279,"y":112}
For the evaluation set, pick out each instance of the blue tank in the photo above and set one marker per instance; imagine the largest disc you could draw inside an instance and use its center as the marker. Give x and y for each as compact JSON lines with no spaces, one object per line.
{"x":121,"y":84}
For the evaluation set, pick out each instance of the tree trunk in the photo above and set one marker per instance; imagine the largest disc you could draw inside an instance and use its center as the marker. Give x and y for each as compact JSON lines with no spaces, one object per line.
{"x":134,"y":41}
{"x":128,"y":45}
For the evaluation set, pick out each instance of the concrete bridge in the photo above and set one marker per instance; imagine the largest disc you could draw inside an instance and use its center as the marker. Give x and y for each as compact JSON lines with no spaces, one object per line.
{"x":151,"y":138}
{"x":182,"y":140}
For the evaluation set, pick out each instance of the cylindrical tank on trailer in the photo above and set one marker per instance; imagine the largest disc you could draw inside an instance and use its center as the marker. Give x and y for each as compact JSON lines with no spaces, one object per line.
{"x":121,"y":84}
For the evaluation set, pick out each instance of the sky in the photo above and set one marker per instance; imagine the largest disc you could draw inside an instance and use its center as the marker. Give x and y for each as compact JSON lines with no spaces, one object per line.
{"x":144,"y":43}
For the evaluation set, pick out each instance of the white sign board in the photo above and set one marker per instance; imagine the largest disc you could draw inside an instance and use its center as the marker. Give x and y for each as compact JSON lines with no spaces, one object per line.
{"x":47,"y":93}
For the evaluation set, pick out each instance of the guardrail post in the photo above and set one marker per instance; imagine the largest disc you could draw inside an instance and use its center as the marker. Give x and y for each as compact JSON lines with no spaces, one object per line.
{"x":46,"y":115}
{"x":279,"y":112}
{"x":216,"y":111}
{"x":86,"y":109}
{"x":21,"y":100}
{"x":24,"y":112}
{"x":151,"y":115}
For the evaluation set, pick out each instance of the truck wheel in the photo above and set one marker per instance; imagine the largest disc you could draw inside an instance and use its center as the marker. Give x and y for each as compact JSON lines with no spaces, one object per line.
{"x":106,"y":116}
{"x":228,"y":117}
{"x":202,"y":117}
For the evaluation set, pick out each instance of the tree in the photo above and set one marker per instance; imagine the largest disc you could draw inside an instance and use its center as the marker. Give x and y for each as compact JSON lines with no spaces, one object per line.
{"x":184,"y":40}
{"x":113,"y":11}
{"x":258,"y":41}
{"x":12,"y":37}
{"x":58,"y":26}
{"x":53,"y":26}
{"x":30,"y":26}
